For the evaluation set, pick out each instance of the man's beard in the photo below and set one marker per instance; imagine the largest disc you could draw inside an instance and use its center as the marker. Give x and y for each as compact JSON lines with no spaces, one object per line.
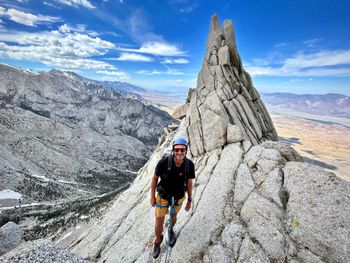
{"x":180,"y":157}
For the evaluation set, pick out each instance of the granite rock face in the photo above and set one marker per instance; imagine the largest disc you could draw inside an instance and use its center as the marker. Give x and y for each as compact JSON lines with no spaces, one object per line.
{"x":251,"y":193}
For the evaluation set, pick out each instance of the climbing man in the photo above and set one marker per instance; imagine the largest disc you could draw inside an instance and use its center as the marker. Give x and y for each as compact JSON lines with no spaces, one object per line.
{"x":176,"y":173}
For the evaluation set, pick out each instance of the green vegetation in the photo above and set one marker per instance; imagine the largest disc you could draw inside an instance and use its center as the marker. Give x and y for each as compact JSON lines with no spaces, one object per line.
{"x":294,"y":223}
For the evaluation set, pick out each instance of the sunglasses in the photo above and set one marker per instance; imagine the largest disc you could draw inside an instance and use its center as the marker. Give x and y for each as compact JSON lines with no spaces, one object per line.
{"x":181,"y":150}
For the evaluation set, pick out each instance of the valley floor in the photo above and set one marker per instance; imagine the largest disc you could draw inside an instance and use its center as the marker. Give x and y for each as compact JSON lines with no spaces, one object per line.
{"x":319,"y":141}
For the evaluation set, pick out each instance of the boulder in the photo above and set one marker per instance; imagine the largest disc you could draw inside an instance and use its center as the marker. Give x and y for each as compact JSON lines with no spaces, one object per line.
{"x":10,"y":237}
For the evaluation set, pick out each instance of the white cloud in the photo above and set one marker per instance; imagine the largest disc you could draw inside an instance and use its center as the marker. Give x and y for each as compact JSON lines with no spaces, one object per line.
{"x":121,"y":78}
{"x":66,"y":28}
{"x":76,"y":3}
{"x":27,"y":18}
{"x":281,"y":45}
{"x":65,"y":50}
{"x":49,"y":57}
{"x":321,"y":63}
{"x":157,"y":48}
{"x":2,"y":11}
{"x":119,"y":74}
{"x":187,"y":9}
{"x":175,"y":61}
{"x":51,"y":5}
{"x":159,"y":72}
{"x":174,"y":80}
{"x":133,"y":57}
{"x":318,"y":59}
{"x":314,"y":72}
{"x":295,"y":80}
{"x":312,"y":42}
{"x":183,"y":6}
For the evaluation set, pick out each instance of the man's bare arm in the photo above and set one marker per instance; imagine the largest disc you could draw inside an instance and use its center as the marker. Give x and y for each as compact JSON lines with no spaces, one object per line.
{"x":154,"y":182}
{"x":189,"y":195}
{"x":189,"y":189}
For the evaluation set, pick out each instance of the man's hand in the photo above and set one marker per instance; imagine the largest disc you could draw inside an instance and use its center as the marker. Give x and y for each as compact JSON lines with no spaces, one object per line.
{"x":188,"y":206}
{"x":153,"y":200}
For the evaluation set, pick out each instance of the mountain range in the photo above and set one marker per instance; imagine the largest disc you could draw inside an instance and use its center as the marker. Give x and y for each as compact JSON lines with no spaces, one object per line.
{"x":335,"y":105}
{"x":66,"y":138}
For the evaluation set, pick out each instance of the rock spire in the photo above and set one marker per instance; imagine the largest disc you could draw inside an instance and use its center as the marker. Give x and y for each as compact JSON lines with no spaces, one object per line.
{"x":225,"y":95}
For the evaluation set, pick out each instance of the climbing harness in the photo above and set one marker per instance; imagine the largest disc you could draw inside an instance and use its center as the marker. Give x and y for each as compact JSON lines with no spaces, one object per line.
{"x":172,"y":211}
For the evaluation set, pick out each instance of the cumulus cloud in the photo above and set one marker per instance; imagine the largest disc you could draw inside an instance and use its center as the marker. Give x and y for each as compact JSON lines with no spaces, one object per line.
{"x":56,"y":48}
{"x":175,"y":61}
{"x":133,"y":57}
{"x":77,"y":3}
{"x":26,"y":18}
{"x":321,"y":63}
{"x":157,"y":48}
{"x":66,"y":28}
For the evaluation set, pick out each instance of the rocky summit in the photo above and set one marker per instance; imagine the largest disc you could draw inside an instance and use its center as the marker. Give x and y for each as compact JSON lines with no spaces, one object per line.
{"x":254,"y":200}
{"x":65,"y":137}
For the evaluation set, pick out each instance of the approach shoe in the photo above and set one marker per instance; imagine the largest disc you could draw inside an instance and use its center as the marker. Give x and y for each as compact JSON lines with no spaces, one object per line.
{"x":156,"y":247}
{"x":172,"y":238}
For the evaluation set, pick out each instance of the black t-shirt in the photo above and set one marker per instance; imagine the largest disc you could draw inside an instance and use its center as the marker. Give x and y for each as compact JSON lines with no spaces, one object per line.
{"x":174,"y":183}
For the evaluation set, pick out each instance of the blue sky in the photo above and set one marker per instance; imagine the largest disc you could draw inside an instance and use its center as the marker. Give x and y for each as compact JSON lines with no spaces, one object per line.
{"x":300,"y":46}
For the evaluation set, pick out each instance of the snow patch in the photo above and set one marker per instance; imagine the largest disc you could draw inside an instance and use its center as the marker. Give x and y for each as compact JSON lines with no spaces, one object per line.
{"x":65,"y":236}
{"x":9,"y":194}
{"x":69,"y":182}
{"x":41,"y":177}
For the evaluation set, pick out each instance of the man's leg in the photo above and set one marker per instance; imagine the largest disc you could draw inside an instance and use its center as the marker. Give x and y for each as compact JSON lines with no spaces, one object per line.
{"x":174,"y":219}
{"x":160,"y":215}
{"x":177,"y":209}
{"x":158,"y":228}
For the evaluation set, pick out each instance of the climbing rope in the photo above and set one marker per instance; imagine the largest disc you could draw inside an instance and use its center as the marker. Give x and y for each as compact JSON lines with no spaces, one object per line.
{"x":172,"y":211}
